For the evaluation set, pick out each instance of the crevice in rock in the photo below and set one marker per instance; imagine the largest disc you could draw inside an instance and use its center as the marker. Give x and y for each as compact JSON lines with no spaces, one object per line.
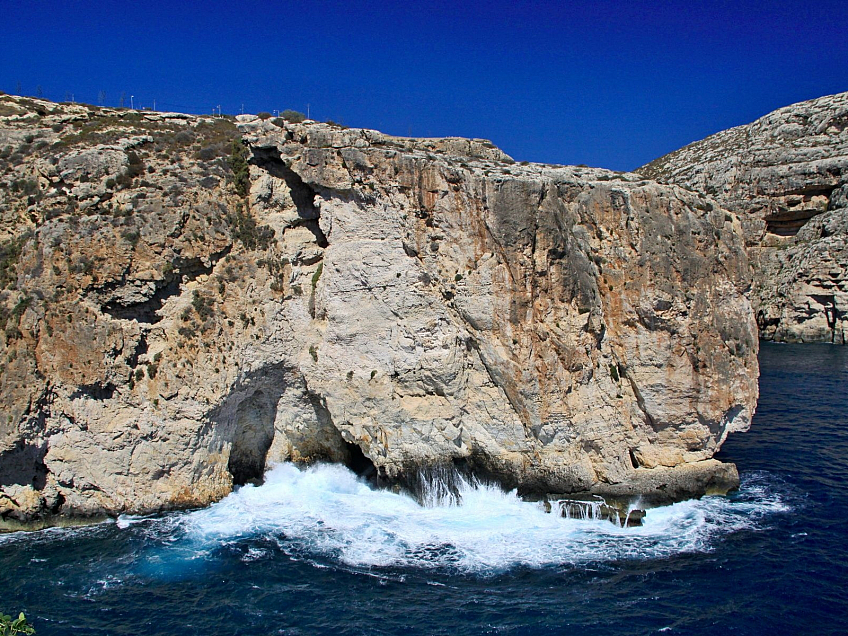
{"x":302,"y":194}
{"x":812,"y":190}
{"x":313,"y":226}
{"x":96,"y":391}
{"x":185,"y":270}
{"x":139,"y":350}
{"x":23,"y":465}
{"x":640,"y":401}
{"x":831,"y":312}
{"x":502,"y":383}
{"x":789,"y":223}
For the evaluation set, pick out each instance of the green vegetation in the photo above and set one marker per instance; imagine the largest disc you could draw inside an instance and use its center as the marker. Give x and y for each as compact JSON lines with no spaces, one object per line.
{"x":313,"y":352}
{"x":293,"y":116}
{"x":240,"y":168}
{"x":263,"y":115}
{"x":202,"y":305}
{"x":613,"y":370}
{"x":136,"y":165}
{"x":243,"y":227}
{"x":131,"y":236}
{"x":317,"y":275}
{"x":10,"y":252}
{"x":9,"y":320}
{"x":26,"y":187}
{"x":9,"y":627}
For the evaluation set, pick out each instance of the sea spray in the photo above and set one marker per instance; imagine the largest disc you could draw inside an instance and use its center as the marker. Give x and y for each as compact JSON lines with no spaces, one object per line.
{"x":326,"y":511}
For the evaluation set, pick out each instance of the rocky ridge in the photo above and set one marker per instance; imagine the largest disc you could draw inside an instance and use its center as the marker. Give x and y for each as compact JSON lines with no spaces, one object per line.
{"x":786,"y":176}
{"x":188,"y":299}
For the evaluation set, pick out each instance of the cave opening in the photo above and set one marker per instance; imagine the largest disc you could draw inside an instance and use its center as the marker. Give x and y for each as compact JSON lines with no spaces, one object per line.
{"x":254,"y":432}
{"x":358,"y":462}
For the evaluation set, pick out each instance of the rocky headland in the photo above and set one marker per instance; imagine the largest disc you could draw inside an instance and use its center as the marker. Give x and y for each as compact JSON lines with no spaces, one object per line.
{"x":786,"y":176}
{"x":188,"y":299}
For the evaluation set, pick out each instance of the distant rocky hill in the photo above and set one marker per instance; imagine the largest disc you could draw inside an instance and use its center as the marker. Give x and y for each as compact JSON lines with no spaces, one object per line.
{"x":185,"y":299}
{"x":786,"y":176}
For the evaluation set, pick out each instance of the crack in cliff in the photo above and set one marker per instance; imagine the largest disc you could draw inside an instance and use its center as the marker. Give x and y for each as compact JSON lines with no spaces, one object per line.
{"x":640,"y":400}
{"x":184,"y":271}
{"x":302,"y":194}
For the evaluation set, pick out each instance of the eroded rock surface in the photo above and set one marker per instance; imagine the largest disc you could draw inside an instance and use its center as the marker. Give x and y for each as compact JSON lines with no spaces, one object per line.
{"x":181,"y":310}
{"x":786,"y":175}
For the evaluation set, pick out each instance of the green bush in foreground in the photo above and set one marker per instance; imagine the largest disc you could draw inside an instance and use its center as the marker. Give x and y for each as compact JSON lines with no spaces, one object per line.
{"x":9,"y":627}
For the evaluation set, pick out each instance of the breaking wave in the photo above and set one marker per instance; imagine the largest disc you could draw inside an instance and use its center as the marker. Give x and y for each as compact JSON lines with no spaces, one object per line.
{"x":326,"y":514}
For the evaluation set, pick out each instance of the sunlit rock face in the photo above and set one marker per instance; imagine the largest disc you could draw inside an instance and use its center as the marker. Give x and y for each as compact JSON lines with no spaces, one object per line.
{"x":786,"y":176}
{"x":182,"y":311}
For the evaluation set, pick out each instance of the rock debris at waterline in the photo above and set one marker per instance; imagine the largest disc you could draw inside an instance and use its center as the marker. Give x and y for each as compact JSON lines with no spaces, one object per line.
{"x":180,"y":310}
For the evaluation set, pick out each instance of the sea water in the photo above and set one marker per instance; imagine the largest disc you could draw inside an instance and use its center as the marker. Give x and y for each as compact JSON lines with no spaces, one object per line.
{"x":318,"y":551}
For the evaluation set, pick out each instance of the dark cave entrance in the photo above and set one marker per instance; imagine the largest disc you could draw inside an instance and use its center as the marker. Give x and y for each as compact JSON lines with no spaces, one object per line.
{"x":359,"y":463}
{"x":254,"y":432}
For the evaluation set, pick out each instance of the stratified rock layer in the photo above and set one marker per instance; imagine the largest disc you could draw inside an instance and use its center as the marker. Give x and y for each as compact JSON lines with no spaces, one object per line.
{"x":177,"y":318}
{"x":786,"y":175}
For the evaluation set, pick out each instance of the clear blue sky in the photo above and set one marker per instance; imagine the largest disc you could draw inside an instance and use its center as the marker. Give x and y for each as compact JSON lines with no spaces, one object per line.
{"x":611,"y":84}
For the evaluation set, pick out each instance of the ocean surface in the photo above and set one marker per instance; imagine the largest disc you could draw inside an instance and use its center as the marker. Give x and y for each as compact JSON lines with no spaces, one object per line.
{"x":319,"y":552}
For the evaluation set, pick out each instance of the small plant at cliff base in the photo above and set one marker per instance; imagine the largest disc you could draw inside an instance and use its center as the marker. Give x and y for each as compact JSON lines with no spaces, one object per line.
{"x":240,"y":168}
{"x":9,"y":627}
{"x":293,"y":116}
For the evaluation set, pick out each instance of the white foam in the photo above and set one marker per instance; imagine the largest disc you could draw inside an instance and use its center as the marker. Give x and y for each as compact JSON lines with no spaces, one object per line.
{"x":326,"y":511}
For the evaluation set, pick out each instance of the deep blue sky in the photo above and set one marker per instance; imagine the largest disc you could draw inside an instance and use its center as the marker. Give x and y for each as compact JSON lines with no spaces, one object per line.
{"x":611,"y":84}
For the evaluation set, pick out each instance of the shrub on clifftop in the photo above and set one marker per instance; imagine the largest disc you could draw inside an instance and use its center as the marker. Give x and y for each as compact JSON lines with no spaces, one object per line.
{"x":293,"y":116}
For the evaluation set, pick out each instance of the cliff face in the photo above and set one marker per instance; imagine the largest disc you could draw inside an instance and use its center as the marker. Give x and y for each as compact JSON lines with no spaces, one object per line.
{"x":786,"y":176}
{"x":181,"y":310}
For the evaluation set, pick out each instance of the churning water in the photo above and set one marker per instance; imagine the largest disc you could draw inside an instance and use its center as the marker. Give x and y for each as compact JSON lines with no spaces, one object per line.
{"x":319,"y":551}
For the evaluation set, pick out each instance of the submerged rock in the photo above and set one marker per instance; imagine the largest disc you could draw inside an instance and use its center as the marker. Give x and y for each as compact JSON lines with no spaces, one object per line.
{"x":786,"y":176}
{"x":318,"y":293}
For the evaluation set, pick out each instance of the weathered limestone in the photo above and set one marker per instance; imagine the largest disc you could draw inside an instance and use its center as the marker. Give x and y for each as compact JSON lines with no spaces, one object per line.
{"x":384,"y":302}
{"x":786,"y":175}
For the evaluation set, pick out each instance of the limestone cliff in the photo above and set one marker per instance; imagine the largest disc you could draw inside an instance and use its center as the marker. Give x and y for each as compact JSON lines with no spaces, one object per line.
{"x":786,"y":175}
{"x":179,"y":310}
